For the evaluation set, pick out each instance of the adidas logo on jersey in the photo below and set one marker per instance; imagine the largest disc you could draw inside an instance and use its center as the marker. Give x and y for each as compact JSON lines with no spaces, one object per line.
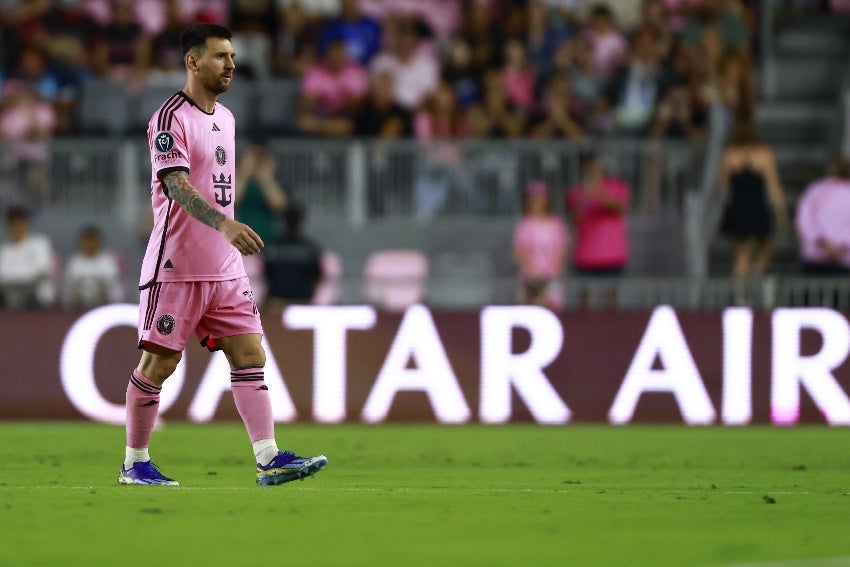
{"x":216,"y":128}
{"x":168,"y":265}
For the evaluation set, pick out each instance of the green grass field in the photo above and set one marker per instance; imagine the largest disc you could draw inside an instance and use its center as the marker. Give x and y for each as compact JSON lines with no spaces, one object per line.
{"x":431,"y":495}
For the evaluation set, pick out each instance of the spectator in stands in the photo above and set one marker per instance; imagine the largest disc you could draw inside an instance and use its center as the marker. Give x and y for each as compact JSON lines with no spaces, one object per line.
{"x":26,"y":264}
{"x":598,"y":206}
{"x":439,"y":121}
{"x":541,"y":245}
{"x":297,"y":39}
{"x":755,"y":200}
{"x":122,"y":52}
{"x":507,"y":120}
{"x":93,"y":276}
{"x":635,"y":86}
{"x":729,"y":19}
{"x":380,"y":116}
{"x":413,"y":65}
{"x":518,"y":76}
{"x":823,"y":222}
{"x":167,"y":64}
{"x":461,"y":74}
{"x":26,"y":125}
{"x":483,"y":34}
{"x":610,"y":46}
{"x":677,"y":115}
{"x":292,"y":262}
{"x":575,"y":59}
{"x":543,"y":36}
{"x":254,"y":24}
{"x":70,"y":37}
{"x":360,"y":34}
{"x":260,"y":200}
{"x":331,"y":92}
{"x":558,"y":117}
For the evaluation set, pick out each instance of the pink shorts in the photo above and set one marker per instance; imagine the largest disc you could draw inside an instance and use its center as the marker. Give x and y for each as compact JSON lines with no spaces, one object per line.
{"x":170,"y":311}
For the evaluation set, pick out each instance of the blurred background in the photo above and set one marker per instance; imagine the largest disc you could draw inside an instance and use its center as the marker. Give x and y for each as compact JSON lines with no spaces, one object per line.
{"x":582,"y":155}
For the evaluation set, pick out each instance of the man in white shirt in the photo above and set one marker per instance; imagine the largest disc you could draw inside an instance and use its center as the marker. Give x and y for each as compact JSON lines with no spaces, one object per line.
{"x":26,"y":264}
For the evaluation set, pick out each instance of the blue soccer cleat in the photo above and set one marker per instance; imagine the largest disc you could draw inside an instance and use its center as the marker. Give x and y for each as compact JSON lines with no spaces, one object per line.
{"x":144,"y":473}
{"x":288,"y":466}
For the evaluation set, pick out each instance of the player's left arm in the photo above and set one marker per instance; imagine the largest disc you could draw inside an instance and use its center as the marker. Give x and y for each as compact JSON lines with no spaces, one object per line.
{"x":240,"y":235}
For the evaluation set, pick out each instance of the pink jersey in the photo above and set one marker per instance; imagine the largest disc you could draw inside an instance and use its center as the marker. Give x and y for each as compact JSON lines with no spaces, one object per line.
{"x":183,"y":137}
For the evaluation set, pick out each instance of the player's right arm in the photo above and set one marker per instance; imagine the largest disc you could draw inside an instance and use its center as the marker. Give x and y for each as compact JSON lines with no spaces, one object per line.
{"x":240,"y":235}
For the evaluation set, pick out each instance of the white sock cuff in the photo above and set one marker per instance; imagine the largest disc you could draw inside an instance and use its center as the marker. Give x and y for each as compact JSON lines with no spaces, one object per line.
{"x":265,"y":450}
{"x":132,"y":455}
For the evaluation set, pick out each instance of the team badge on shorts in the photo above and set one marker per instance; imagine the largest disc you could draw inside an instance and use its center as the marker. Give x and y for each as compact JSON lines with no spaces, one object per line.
{"x":220,"y":155}
{"x":165,"y":324}
{"x":164,"y":142}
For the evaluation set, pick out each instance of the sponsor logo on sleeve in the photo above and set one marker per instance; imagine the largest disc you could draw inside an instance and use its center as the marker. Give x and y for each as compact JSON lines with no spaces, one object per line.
{"x":163,"y":142}
{"x":166,"y":154}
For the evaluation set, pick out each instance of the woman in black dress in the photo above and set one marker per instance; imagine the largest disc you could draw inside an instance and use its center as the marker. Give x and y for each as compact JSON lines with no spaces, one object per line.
{"x":755,"y":201}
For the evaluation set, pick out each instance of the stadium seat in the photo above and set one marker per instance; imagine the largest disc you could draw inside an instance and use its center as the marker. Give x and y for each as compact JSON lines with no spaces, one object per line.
{"x":395,"y":279}
{"x":275,"y":103}
{"x":329,"y":289}
{"x":104,"y":107}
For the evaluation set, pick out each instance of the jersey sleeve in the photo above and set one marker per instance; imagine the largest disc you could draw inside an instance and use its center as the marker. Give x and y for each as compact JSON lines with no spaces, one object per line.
{"x":169,"y":151}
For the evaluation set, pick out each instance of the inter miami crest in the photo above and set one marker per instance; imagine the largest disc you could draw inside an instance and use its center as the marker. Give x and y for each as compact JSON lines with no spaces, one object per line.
{"x":165,"y":324}
{"x":220,"y":155}
{"x":163,"y":142}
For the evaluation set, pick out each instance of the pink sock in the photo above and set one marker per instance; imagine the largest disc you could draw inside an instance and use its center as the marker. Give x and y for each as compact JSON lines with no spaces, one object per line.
{"x":142,"y":407}
{"x":252,"y":400}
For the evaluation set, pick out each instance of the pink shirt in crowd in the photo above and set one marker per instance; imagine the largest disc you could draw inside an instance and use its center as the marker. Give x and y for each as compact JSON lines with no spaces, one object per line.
{"x":182,"y":137}
{"x":824,"y":212}
{"x":601,"y":234}
{"x":544,"y":241}
{"x":609,"y":50}
{"x":414,"y":79}
{"x":443,"y":16}
{"x":332,"y":90}
{"x":519,"y":86}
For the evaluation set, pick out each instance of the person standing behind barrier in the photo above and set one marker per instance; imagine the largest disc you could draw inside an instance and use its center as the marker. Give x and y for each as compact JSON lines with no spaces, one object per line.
{"x":93,"y":276}
{"x":597,"y":206}
{"x":292,"y":263}
{"x":260,"y":200}
{"x":823,"y":222}
{"x":541,"y":245}
{"x":27,"y":264}
{"x":754,"y":198}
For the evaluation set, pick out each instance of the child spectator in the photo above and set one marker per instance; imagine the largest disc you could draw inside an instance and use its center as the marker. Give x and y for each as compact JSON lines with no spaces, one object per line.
{"x":541,"y":245}
{"x":93,"y":276}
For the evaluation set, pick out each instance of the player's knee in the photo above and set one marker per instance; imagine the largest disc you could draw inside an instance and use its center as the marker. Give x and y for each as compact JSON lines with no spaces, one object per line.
{"x":157,"y":367}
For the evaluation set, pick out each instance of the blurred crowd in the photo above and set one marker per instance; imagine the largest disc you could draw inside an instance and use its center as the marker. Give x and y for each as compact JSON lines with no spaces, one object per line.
{"x":424,"y":68}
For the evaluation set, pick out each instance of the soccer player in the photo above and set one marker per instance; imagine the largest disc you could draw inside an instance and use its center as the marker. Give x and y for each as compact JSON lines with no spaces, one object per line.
{"x":192,"y":275}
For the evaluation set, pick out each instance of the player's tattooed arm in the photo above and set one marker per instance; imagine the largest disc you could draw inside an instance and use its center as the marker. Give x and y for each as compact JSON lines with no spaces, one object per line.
{"x":192,"y":202}
{"x":240,"y":235}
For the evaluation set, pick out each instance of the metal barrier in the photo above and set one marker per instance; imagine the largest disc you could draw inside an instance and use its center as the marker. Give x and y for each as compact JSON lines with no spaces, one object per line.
{"x":365,"y":179}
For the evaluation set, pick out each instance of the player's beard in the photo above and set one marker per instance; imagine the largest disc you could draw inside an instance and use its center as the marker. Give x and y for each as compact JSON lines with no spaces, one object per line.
{"x":215,"y":83}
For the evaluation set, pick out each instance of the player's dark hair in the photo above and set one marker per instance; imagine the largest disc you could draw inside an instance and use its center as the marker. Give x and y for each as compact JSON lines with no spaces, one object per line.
{"x":196,"y":36}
